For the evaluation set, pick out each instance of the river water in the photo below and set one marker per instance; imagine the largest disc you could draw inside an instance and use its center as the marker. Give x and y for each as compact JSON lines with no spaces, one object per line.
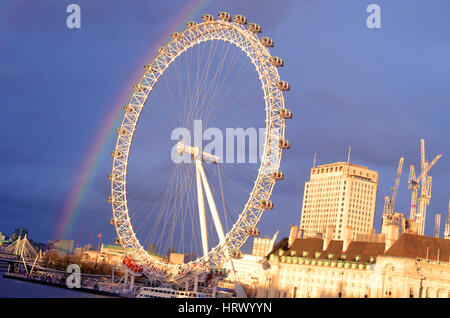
{"x":19,"y":289}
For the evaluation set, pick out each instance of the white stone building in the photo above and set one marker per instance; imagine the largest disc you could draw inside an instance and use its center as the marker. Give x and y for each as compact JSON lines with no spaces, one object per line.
{"x":341,"y":195}
{"x":414,"y":266}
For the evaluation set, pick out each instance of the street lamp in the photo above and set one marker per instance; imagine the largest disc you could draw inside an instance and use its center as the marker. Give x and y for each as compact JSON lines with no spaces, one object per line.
{"x":342,"y":278}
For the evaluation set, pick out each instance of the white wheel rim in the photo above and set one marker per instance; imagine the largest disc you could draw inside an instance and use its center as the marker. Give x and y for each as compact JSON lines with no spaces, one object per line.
{"x":259,"y":55}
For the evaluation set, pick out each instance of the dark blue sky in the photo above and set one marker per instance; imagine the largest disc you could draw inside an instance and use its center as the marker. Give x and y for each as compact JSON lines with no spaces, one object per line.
{"x":376,"y":90}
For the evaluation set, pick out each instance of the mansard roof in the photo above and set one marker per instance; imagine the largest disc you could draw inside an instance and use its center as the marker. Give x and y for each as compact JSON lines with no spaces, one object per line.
{"x":408,"y":245}
{"x":419,"y":246}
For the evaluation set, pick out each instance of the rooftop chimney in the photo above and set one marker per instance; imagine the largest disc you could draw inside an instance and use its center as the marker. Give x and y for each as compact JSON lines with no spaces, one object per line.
{"x":393,"y":233}
{"x":328,"y":237}
{"x":348,"y":233}
{"x":412,"y":226}
{"x":292,"y":235}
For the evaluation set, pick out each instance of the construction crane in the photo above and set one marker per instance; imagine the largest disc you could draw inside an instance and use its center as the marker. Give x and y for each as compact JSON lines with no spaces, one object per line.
{"x":447,"y":224}
{"x":390,"y":203}
{"x":413,"y":184}
{"x":423,"y":182}
{"x":437,"y":225}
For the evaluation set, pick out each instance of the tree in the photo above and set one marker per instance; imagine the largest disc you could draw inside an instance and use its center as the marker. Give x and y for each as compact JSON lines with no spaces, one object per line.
{"x":170,"y":251}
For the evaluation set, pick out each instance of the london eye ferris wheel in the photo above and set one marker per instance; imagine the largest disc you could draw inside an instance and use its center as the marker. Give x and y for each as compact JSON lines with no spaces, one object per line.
{"x":215,"y":74}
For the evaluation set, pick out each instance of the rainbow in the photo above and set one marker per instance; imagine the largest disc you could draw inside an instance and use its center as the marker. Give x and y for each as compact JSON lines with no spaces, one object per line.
{"x":97,"y":150}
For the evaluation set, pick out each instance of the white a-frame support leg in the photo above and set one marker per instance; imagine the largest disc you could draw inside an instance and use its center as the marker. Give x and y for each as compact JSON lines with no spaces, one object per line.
{"x":201,"y":209}
{"x":201,"y":178}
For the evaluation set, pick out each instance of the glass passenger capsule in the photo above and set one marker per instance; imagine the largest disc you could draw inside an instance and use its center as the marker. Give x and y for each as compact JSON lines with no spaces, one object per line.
{"x":139,"y":88}
{"x":218,"y":271}
{"x":282,"y":85}
{"x":240,"y":19}
{"x":224,"y":16}
{"x":176,"y":36}
{"x":285,"y":113}
{"x":252,"y":231}
{"x":277,"y":175}
{"x":266,"y":204}
{"x":150,"y":68}
{"x":207,"y":17}
{"x":122,"y":131}
{"x":236,"y":254}
{"x":276,"y":61}
{"x":163,"y":50}
{"x":267,"y":42}
{"x":116,"y":154}
{"x":254,"y":28}
{"x":190,"y":24}
{"x":284,"y":144}
{"x":129,"y":109}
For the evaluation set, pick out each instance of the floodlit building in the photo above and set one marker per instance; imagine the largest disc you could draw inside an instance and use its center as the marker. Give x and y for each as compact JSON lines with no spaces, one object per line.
{"x":62,"y":247}
{"x":109,"y":254}
{"x":3,"y":238}
{"x":248,"y":270}
{"x":112,"y":254}
{"x":414,"y":266}
{"x":263,"y":245}
{"x":340,"y":195}
{"x":372,"y":236}
{"x":79,"y":251}
{"x":397,"y":219}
